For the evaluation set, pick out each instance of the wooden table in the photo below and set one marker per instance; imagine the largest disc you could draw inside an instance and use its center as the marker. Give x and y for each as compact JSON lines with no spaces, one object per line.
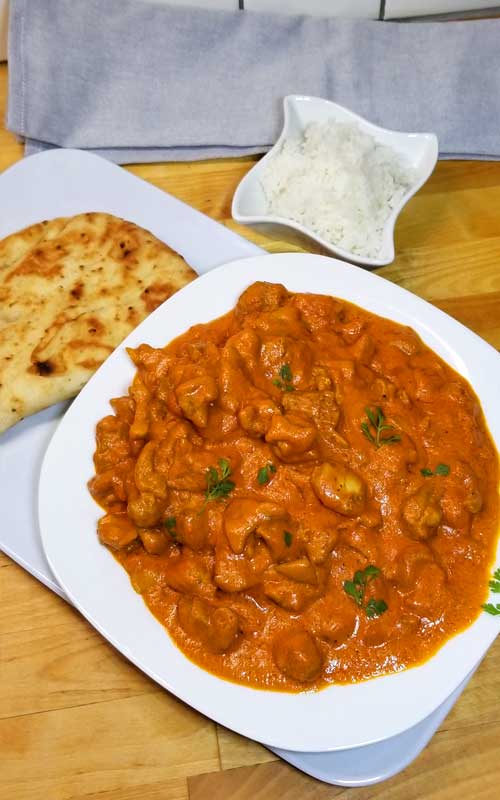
{"x":78,"y":721}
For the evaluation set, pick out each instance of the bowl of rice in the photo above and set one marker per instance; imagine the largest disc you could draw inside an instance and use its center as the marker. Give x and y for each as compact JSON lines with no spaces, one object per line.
{"x":336,"y":178}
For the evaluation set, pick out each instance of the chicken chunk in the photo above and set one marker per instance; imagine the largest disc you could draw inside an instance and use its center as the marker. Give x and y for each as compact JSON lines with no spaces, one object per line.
{"x":339,"y":488}
{"x":287,"y":593}
{"x":147,"y":478}
{"x":235,"y":573}
{"x":145,"y":509}
{"x":194,"y":397}
{"x":216,"y":628}
{"x":154,"y":542}
{"x":243,"y":517}
{"x":116,"y":531}
{"x":259,"y":297}
{"x":232,"y":380}
{"x":292,"y":435}
{"x":320,"y":407}
{"x":297,"y":655}
{"x":255,"y":417}
{"x":189,"y":574}
{"x":300,"y":570}
{"x":422,"y":513}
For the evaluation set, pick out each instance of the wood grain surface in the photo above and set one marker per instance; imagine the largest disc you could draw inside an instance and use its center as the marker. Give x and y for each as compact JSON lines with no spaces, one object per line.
{"x":78,"y":722}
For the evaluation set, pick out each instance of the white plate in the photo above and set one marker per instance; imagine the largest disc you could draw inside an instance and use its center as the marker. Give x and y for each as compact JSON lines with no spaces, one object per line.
{"x":100,"y":588}
{"x":62,"y":183}
{"x":420,"y":150}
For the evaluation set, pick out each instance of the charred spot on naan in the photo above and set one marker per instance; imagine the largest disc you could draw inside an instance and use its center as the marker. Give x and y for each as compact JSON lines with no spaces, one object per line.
{"x":156,"y":294}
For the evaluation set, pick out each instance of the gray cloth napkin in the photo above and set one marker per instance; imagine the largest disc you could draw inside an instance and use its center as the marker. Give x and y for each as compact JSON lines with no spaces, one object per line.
{"x":137,"y":81}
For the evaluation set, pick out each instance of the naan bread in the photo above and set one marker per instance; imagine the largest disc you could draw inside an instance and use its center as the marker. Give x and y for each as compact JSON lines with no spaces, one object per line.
{"x":71,"y":289}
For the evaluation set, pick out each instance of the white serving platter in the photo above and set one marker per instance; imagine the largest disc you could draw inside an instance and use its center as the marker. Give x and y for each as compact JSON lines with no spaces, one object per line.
{"x":65,"y":182}
{"x":62,"y":183}
{"x":94,"y":582}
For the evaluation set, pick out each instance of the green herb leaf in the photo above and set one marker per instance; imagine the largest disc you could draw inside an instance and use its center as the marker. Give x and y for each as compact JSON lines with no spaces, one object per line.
{"x":263,"y":475}
{"x":218,"y":483}
{"x":494,"y":584}
{"x":170,"y":523}
{"x":371,"y":571}
{"x":377,"y":420}
{"x":441,"y":469}
{"x":494,"y":610}
{"x":367,"y":433}
{"x":225,"y":467}
{"x":357,"y":587}
{"x":354,"y":591}
{"x":288,"y":537}
{"x":286,"y":374}
{"x":374,"y":608}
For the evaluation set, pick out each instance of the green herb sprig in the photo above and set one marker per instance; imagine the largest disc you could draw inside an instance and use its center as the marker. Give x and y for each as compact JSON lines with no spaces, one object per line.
{"x":374,"y":608}
{"x":494,"y":584}
{"x":288,"y":538}
{"x":264,"y":473}
{"x":357,"y":587}
{"x":441,"y":469}
{"x":285,"y":384}
{"x":170,"y":524}
{"x":375,"y":426}
{"x":218,"y":484}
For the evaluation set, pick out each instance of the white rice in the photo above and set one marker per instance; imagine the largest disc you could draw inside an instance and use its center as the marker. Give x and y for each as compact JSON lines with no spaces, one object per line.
{"x":338,"y":182}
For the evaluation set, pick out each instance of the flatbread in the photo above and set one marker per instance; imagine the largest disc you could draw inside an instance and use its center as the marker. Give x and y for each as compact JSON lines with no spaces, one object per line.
{"x":71,"y":289}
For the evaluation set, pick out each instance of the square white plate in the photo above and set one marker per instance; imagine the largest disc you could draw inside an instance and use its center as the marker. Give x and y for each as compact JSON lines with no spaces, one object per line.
{"x":97,"y":585}
{"x":60,"y":183}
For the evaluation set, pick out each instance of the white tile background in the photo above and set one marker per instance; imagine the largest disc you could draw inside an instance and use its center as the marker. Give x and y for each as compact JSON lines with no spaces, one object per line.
{"x":369,"y":9}
{"x":414,"y":8}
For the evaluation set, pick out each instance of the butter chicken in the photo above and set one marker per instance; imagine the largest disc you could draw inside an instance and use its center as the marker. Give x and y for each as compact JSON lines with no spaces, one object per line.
{"x":302,"y":492}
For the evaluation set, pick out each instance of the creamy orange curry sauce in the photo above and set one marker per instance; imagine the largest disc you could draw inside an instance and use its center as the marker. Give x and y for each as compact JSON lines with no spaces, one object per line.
{"x":302,"y":492}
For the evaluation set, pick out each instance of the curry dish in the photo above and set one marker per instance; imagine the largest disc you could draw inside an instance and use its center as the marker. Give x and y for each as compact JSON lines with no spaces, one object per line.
{"x":302,"y":492}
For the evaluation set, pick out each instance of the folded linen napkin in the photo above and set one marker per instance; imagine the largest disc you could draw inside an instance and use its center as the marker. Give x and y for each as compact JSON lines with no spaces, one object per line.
{"x":136,"y":81}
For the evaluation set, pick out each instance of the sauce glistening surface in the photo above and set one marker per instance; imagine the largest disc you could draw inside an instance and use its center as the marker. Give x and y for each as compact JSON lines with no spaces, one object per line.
{"x":302,"y":492}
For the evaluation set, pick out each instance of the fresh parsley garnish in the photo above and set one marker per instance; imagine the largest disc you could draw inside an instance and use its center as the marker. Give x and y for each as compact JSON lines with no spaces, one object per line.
{"x":441,"y":469}
{"x":170,"y":524}
{"x":357,"y":587}
{"x":264,"y":473}
{"x":375,"y":426}
{"x":218,"y":484}
{"x":491,"y":608}
{"x":494,"y":584}
{"x":288,"y":537}
{"x":374,"y":608}
{"x":286,"y":373}
{"x":285,"y":384}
